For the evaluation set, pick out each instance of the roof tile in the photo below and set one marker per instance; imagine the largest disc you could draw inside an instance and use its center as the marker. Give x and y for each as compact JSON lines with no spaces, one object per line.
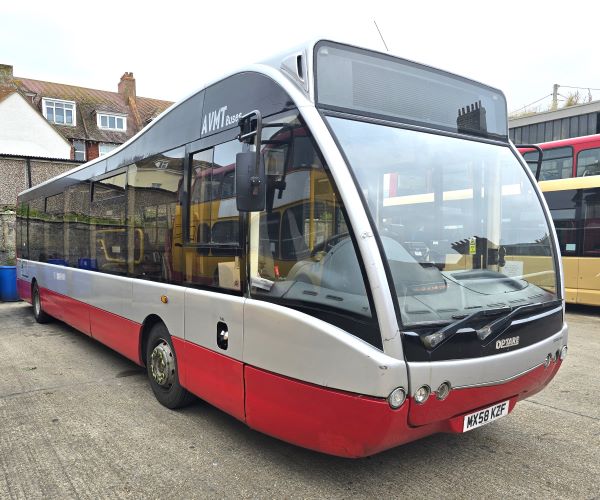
{"x":88,"y":103}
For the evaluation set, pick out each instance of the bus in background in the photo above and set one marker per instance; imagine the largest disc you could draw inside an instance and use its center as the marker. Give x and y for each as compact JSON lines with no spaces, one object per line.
{"x":570,"y":180}
{"x":338,"y":247}
{"x":575,"y":207}
{"x":575,"y":157}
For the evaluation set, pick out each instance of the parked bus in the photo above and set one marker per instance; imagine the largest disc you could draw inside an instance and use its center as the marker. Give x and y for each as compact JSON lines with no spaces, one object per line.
{"x":334,"y":246}
{"x":575,"y":208}
{"x":572,"y":202}
{"x":575,"y":157}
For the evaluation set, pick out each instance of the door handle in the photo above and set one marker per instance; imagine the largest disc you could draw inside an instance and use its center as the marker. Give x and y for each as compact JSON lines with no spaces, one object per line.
{"x":222,"y":335}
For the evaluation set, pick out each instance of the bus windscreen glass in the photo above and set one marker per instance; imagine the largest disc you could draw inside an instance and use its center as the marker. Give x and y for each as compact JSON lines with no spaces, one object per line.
{"x":366,"y":83}
{"x":461,"y":225}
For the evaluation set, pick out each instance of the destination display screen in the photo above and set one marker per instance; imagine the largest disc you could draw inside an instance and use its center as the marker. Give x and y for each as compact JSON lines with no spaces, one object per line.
{"x":367,"y":83}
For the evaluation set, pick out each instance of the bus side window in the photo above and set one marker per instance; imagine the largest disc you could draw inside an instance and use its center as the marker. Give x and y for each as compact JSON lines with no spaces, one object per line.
{"x":306,"y":258}
{"x":214,"y":219}
{"x":154,"y":232}
{"x":588,"y":162}
{"x":108,"y":228}
{"x":557,"y":163}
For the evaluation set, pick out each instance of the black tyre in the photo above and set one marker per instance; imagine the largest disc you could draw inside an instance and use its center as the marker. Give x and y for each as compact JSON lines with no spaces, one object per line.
{"x":39,"y":315}
{"x":161,"y":365}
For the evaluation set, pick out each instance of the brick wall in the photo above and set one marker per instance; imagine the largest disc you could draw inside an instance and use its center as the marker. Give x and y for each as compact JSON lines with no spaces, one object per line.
{"x":7,"y":237}
{"x":13,"y":175}
{"x":92,"y":150}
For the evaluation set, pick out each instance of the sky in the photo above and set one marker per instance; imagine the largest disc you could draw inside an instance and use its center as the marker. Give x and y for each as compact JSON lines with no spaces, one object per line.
{"x":173,"y":47}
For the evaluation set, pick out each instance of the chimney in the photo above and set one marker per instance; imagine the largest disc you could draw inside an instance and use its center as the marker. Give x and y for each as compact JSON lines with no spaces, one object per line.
{"x":6,"y":76}
{"x":127,"y":86}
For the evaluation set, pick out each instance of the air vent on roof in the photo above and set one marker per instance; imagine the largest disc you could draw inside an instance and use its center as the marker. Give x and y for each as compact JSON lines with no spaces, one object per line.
{"x":294,"y":66}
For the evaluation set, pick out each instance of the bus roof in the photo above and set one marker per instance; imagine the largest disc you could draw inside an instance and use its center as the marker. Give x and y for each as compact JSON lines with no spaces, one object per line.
{"x":573,"y":141}
{"x":587,"y":182}
{"x":283,"y":69}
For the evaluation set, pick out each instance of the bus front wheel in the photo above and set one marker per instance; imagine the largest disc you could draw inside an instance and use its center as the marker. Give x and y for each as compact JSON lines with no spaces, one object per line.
{"x":161,"y":365}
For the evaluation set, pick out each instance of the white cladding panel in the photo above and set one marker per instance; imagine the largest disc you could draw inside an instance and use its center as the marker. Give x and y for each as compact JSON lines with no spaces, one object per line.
{"x":296,"y":345}
{"x":204,"y":309}
{"x":488,"y":370}
{"x":24,"y":131}
{"x":111,"y":293}
{"x":146,"y":300}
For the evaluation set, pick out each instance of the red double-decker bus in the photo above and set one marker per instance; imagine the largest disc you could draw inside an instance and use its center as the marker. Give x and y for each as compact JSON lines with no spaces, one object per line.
{"x":575,"y":157}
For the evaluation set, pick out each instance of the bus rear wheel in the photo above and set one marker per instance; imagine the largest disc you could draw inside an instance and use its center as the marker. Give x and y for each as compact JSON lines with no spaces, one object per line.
{"x":161,"y":365}
{"x":38,"y":313}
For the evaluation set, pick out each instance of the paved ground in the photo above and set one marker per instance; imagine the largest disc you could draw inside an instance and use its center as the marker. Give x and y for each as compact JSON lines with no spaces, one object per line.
{"x":79,"y":421}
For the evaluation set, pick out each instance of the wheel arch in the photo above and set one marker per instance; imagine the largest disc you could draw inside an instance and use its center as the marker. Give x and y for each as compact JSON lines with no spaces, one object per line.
{"x":149,"y":322}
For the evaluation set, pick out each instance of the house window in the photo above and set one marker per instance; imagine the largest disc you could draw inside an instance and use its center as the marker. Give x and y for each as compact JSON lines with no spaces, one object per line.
{"x":112,"y":122}
{"x":59,"y":112}
{"x":79,"y":147}
{"x":105,"y":147}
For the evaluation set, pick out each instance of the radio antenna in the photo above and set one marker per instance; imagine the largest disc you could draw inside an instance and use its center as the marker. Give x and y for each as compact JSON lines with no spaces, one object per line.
{"x":379,"y":31}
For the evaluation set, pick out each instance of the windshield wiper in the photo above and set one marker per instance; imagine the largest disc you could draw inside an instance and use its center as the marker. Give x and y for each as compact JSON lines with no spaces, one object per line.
{"x":502,"y":323}
{"x":461,"y":326}
{"x":434,"y":339}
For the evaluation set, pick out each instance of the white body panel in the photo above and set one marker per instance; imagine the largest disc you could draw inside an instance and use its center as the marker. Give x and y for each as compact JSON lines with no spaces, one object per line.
{"x":282,"y":340}
{"x":203,"y":310}
{"x":146,"y":300}
{"x":488,"y":370}
{"x":111,"y":293}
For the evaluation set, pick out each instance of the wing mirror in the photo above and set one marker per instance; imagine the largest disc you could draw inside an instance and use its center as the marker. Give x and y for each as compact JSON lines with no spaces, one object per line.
{"x":250,"y":179}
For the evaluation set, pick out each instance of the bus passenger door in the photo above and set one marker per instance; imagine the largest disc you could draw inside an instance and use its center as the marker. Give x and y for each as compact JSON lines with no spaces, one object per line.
{"x":565,"y":207}
{"x":214,"y":336}
{"x":589,"y":263}
{"x":211,"y":360}
{"x":571,"y":273}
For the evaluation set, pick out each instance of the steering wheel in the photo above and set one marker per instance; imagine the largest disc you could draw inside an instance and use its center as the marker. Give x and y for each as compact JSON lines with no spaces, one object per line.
{"x":329,"y":243}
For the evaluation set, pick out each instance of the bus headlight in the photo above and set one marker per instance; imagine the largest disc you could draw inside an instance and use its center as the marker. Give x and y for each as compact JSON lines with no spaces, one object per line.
{"x":422,"y":394}
{"x":397,"y":397}
{"x":443,"y":390}
{"x":563,"y":352}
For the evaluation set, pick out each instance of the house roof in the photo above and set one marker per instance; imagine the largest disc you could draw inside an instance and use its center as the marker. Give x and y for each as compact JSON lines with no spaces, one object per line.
{"x":5,"y":92}
{"x":139,"y":110}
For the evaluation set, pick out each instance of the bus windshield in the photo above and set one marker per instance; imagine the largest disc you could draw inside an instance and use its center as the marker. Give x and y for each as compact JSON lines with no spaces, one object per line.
{"x":461,"y":225}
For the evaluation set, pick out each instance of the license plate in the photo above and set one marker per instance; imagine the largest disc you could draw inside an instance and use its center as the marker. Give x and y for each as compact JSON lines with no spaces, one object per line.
{"x":485,"y":416}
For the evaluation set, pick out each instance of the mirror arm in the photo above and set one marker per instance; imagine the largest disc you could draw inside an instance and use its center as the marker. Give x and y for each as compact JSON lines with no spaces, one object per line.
{"x":245,"y":136}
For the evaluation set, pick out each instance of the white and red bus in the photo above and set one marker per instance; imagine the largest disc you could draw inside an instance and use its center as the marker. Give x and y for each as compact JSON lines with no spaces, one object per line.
{"x":338,"y":247}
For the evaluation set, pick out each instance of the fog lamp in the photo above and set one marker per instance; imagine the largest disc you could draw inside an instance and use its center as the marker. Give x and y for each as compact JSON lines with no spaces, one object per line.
{"x":443,"y":390}
{"x":547,"y":360}
{"x":563,"y":352}
{"x":422,"y":394}
{"x":397,"y":397}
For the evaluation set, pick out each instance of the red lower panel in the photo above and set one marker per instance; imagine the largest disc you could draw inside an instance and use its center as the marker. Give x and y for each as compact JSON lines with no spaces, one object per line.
{"x":71,"y":311}
{"x":470,"y":399}
{"x":118,"y":333}
{"x":24,"y":290}
{"x":326,"y":420}
{"x":216,"y":378}
{"x":50,"y":303}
